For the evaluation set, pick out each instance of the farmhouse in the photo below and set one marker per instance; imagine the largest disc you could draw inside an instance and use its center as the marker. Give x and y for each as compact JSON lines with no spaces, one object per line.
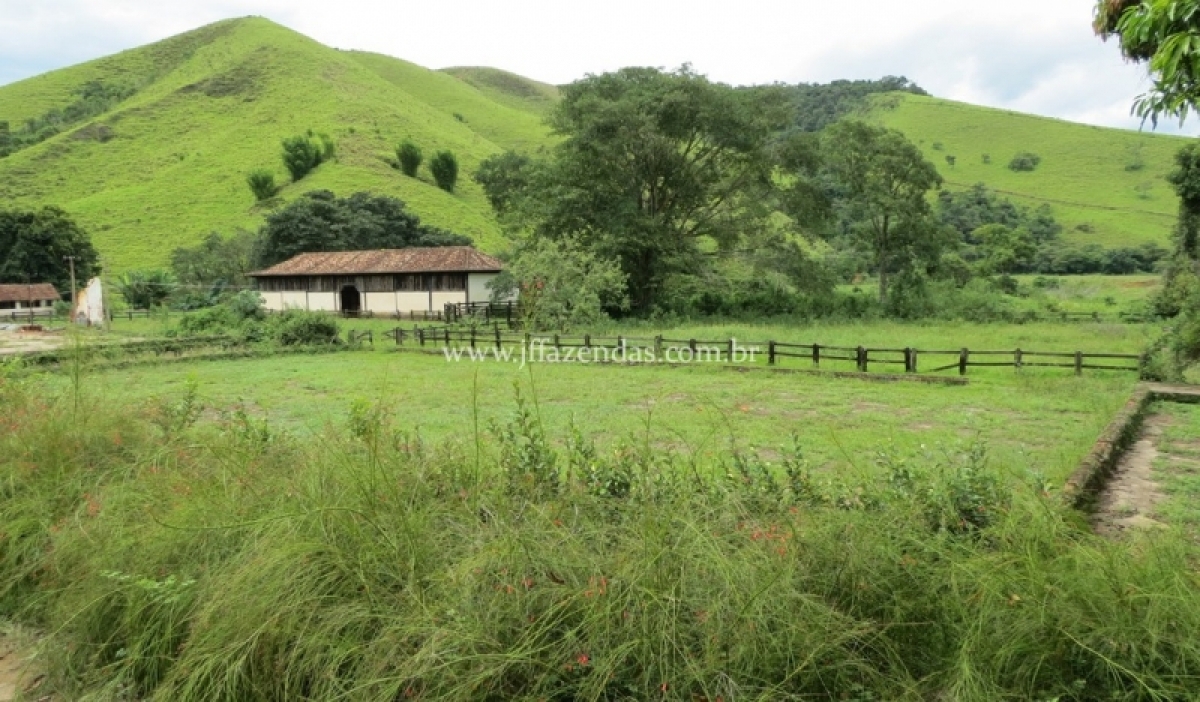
{"x":22,"y":300}
{"x":387,"y":281}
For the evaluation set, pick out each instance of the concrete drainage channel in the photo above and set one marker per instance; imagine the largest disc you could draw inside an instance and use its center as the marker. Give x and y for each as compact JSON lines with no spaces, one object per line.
{"x":1115,"y":483}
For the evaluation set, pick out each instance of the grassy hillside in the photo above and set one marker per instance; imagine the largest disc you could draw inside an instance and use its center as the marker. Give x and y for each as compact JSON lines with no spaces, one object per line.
{"x":168,"y":165}
{"x":1088,"y":174}
{"x":508,"y":88}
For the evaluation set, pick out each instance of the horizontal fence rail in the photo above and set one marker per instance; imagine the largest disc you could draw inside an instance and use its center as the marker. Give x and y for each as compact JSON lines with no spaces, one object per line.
{"x":776,"y":353}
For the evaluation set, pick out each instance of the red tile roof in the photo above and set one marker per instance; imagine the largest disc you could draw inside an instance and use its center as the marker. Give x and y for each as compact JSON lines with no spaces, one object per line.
{"x":440,"y":259}
{"x":28,"y":293}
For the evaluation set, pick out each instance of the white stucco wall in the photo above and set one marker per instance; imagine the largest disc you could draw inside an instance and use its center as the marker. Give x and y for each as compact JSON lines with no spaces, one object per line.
{"x":441,"y":299}
{"x":477,"y":290}
{"x":380,"y":303}
{"x":412,"y":302}
{"x":272,"y":301}
{"x":294,"y":300}
{"x":322,"y":302}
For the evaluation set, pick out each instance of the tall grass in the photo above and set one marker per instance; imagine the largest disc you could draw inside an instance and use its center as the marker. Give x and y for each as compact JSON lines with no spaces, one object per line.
{"x":174,"y":554}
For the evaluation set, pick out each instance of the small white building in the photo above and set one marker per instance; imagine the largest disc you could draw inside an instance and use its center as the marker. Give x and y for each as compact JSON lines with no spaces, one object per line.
{"x":23,"y":301}
{"x":383,"y":282}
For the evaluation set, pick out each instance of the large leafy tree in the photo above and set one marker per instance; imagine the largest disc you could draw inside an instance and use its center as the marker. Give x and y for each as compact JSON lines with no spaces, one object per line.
{"x":882,"y":182}
{"x":216,"y":259}
{"x":650,"y":163}
{"x":1164,"y":35}
{"x":321,"y":221}
{"x":34,"y":243}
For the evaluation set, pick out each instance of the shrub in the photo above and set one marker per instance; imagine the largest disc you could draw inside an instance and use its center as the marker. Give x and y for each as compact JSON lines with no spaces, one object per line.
{"x":262,"y":184}
{"x":1025,"y":162}
{"x":301,"y":155}
{"x":444,"y":167}
{"x":328,"y":148}
{"x":987,"y":159}
{"x":301,"y":328}
{"x":144,"y":290}
{"x":231,"y":317}
{"x":409,"y":157}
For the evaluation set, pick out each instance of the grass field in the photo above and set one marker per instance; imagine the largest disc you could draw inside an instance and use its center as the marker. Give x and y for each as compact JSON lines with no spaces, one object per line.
{"x":1105,"y":186}
{"x":299,"y":542}
{"x":1178,"y":468}
{"x":1041,"y":422}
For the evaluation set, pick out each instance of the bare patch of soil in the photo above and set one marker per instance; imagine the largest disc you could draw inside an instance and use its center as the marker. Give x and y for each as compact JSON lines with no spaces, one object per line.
{"x":19,"y":678}
{"x":28,"y":342}
{"x":1132,"y":495}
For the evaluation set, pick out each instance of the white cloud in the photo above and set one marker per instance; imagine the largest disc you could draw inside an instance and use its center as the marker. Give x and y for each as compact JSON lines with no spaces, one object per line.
{"x":1028,"y":55}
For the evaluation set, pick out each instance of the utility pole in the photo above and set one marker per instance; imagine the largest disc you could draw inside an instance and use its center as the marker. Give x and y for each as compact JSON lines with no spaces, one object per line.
{"x":71,"y":259}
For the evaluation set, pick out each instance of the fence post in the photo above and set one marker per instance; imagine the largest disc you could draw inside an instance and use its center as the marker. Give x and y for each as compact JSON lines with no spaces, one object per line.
{"x":1078,"y":363}
{"x":447,"y":336}
{"x":587,"y":341}
{"x":770,"y":353}
{"x":908,"y":357}
{"x":964,"y":359}
{"x":692,"y":347}
{"x":472,"y":336}
{"x":862,"y":359}
{"x":556,"y":342}
{"x":816,"y":355}
{"x":621,"y":348}
{"x":498,"y":342}
{"x":421,"y":336}
{"x":1019,"y":359}
{"x":732,"y":343}
{"x":658,"y":348}
{"x":914,"y":361}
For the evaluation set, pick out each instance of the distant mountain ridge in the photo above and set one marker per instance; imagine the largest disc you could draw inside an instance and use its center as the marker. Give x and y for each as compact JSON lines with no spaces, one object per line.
{"x":149,"y":148}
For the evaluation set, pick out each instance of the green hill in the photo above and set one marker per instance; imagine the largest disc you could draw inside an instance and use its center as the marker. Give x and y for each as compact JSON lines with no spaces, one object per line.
{"x":167,"y":165}
{"x":1105,"y":185}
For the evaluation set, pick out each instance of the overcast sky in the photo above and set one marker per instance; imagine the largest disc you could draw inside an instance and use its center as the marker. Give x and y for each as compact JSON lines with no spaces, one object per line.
{"x":1036,"y":56}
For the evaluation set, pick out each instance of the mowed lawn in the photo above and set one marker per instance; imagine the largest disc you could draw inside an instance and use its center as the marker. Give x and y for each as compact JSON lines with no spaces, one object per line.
{"x":1034,"y":421}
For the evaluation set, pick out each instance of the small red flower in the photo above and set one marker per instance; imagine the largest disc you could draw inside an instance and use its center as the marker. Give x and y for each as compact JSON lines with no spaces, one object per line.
{"x":583,"y":659}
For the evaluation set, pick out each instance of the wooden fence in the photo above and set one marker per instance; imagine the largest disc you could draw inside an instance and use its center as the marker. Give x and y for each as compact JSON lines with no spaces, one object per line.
{"x":738,"y":352}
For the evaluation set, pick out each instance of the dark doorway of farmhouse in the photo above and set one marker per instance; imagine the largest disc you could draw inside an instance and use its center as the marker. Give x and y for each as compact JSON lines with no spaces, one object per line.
{"x":351,"y":301}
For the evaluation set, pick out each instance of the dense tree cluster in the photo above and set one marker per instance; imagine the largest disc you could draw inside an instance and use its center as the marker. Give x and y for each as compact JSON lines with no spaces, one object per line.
{"x":818,"y":105}
{"x":321,"y":221}
{"x":34,"y":244}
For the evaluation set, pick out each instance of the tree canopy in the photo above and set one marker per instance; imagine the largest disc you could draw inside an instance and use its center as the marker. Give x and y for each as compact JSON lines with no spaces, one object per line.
{"x":321,"y":221}
{"x":1163,"y":35}
{"x":33,"y":244}
{"x":650,"y":163}
{"x":883,"y":181}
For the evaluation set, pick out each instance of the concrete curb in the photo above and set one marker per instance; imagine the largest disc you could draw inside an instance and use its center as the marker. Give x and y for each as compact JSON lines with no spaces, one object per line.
{"x":1093,"y":473}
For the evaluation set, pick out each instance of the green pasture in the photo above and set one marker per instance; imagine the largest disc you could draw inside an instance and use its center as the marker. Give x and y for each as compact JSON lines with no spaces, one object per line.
{"x":1042,"y":422}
